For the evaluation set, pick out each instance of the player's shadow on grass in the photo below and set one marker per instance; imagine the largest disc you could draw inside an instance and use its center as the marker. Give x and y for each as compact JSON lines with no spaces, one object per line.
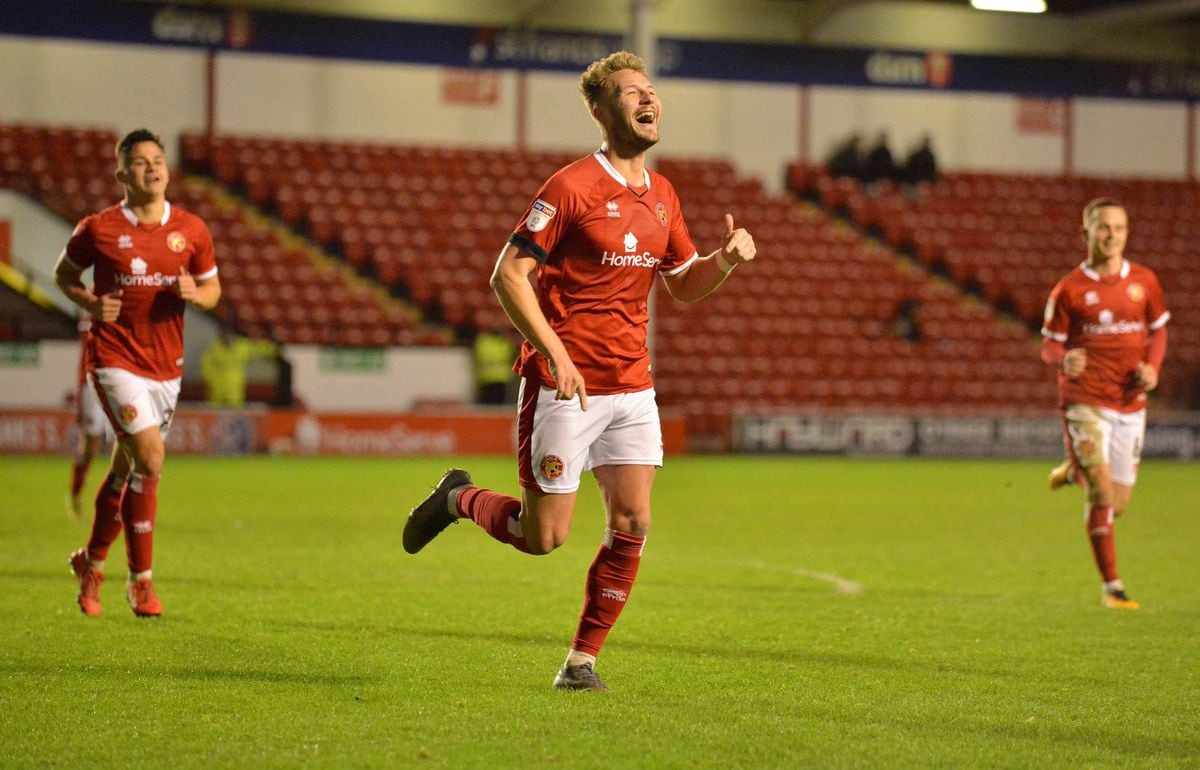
{"x":772,"y":655}
{"x":1123,"y":745}
{"x":268,"y":677}
{"x":387,"y":630}
{"x":58,"y":575}
{"x":202,"y":674}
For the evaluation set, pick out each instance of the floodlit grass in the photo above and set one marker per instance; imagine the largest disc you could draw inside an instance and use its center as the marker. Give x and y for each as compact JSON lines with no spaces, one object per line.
{"x":789,"y":612}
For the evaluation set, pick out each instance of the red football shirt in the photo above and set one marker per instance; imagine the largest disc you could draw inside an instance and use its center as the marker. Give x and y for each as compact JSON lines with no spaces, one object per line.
{"x":143,"y":260}
{"x":1110,"y":317}
{"x":600,"y":244}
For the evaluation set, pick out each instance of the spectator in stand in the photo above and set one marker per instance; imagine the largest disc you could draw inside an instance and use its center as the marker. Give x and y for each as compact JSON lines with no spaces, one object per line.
{"x":920,"y":167}
{"x":878,"y":164}
{"x":494,"y":356}
{"x":223,"y":367}
{"x":846,"y":159}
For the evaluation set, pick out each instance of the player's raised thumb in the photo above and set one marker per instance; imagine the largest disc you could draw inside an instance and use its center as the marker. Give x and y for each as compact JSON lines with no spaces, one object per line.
{"x":728,"y":226}
{"x":183,"y":270}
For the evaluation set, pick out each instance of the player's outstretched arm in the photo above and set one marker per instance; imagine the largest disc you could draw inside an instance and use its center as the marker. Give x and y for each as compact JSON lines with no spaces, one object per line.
{"x":511,"y":282}
{"x":707,"y":273}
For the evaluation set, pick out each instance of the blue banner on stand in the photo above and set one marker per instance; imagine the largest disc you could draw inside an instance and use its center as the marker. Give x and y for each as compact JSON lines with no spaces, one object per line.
{"x":269,"y":32}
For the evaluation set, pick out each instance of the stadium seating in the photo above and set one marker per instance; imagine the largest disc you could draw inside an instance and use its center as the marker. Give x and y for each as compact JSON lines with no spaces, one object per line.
{"x":818,"y":319}
{"x":426,"y":223}
{"x":1007,"y":239}
{"x":67,"y":169}
{"x":274,"y":285}
{"x":836,"y":315}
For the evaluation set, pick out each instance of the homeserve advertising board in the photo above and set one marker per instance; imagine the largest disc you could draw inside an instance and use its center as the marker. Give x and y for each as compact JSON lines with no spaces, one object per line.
{"x":197,"y":430}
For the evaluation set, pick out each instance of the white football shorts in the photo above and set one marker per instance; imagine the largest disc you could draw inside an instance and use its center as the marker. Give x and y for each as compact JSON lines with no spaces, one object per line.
{"x":557,"y":441}
{"x":91,"y":417}
{"x":134,"y":403}
{"x":1099,"y":436}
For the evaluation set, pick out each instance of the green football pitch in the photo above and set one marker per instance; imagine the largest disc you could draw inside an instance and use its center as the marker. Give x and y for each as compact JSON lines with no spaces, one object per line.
{"x":789,"y":612}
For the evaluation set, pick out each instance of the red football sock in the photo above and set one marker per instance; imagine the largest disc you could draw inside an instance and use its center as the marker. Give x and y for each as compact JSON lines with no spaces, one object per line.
{"x":79,"y":472}
{"x":609,"y":581}
{"x":138,"y":510}
{"x":495,"y":513}
{"x":106,"y":524}
{"x":1104,"y":546}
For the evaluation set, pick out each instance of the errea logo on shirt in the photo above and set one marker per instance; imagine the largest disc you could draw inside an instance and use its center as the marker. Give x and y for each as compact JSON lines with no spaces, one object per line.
{"x":137,"y":275}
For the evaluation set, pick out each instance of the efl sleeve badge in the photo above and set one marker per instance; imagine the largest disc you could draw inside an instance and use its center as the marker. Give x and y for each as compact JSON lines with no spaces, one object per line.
{"x":540,"y":214}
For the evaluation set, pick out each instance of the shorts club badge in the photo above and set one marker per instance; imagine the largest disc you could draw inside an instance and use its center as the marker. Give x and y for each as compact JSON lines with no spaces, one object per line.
{"x":128,"y":413}
{"x":551,"y":467}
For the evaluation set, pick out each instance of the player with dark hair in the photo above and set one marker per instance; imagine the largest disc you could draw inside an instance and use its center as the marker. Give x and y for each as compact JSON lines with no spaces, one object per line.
{"x":149,"y":261}
{"x":1105,"y":332}
{"x":574,"y":278}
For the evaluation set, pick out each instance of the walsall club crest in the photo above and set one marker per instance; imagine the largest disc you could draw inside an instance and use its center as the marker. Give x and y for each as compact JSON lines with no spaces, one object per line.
{"x":551,"y":466}
{"x":128,"y":413}
{"x":661,"y":211}
{"x":1135,"y":292}
{"x":176,"y":241}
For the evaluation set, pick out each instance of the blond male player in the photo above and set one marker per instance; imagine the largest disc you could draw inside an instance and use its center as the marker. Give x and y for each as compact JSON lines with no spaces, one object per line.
{"x":1105,"y":332}
{"x":574,"y":279}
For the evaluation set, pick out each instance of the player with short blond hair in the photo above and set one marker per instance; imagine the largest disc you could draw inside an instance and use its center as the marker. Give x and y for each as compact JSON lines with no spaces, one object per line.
{"x":1105,"y":332}
{"x":149,"y":261}
{"x":574,"y":278}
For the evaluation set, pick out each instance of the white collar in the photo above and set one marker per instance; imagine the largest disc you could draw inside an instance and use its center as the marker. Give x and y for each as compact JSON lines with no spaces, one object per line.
{"x":1090,"y":273}
{"x":599,"y":155}
{"x":133,"y":220}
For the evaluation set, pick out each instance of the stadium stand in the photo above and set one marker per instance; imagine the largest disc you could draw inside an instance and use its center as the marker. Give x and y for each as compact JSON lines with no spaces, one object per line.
{"x":1008,"y":238}
{"x":26,"y":314}
{"x":861,"y":304}
{"x":276,"y":285}
{"x":819,"y":330}
{"x":426,"y":223}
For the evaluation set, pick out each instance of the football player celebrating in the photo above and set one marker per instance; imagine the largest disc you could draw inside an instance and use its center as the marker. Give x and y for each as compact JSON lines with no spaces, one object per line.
{"x":1105,"y":332}
{"x":149,"y":261}
{"x":574,"y":279}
